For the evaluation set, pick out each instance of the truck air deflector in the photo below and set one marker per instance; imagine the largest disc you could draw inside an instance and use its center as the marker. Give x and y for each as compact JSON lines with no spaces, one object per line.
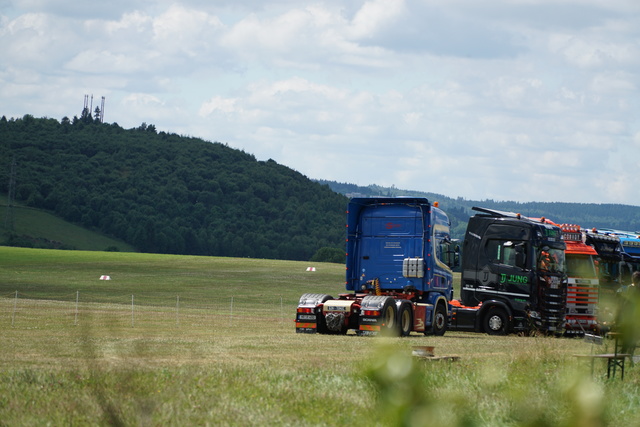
{"x":496,"y":213}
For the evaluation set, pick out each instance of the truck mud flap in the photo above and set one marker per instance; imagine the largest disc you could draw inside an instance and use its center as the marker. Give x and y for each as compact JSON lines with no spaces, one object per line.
{"x":377,"y":314}
{"x":309,"y":318}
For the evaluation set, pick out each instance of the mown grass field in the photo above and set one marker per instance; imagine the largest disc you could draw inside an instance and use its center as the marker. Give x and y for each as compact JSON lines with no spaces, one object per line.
{"x":177,"y":340}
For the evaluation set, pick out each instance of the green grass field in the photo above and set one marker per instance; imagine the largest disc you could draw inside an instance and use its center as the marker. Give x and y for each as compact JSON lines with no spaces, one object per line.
{"x":39,"y":224}
{"x":177,"y":340}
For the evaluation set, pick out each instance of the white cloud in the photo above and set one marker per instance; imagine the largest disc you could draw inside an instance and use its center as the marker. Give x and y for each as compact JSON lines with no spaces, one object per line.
{"x":81,"y":10}
{"x":218,"y":103}
{"x":141,"y":100}
{"x":491,"y":100}
{"x":375,"y":16}
{"x":99,"y":62}
{"x":279,"y":35}
{"x":26,"y":41}
{"x":187,"y":31}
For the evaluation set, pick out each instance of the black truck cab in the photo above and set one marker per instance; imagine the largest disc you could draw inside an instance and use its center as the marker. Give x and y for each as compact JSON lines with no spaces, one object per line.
{"x":513,"y":275}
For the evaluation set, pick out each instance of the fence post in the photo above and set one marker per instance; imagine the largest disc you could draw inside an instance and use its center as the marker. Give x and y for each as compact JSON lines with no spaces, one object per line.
{"x":178,"y":311}
{"x":15,"y":305}
{"x":231,"y":313}
{"x":77,"y":298}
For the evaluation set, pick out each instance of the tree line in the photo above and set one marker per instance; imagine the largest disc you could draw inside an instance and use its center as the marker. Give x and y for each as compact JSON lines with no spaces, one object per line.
{"x":589,"y":215}
{"x":166,"y":193}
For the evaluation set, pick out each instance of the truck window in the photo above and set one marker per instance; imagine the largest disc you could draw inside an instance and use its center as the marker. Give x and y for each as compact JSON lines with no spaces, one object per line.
{"x":581,"y":266}
{"x":507,"y":252}
{"x":447,"y":252}
{"x":550,"y":259}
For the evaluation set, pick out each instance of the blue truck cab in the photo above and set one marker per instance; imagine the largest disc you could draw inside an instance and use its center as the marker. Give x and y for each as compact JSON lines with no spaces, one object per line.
{"x":398,"y":245}
{"x":398,"y":272}
{"x":630,"y":252}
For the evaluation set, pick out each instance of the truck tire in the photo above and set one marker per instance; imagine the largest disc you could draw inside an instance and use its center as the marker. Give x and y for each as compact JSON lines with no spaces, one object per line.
{"x":440,"y":320}
{"x":405,"y":320}
{"x":496,"y":321}
{"x":389,"y":315}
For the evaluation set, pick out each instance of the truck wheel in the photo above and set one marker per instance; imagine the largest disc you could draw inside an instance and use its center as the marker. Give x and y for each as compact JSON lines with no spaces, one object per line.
{"x":440,"y":320}
{"x":388,"y":314}
{"x":405,"y":320}
{"x":496,"y":322}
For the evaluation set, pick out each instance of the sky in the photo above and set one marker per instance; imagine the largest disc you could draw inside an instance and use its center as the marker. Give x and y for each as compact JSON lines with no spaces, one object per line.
{"x":522,"y":100}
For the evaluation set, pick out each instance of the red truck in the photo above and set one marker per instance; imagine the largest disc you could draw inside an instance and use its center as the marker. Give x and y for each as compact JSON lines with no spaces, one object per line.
{"x":583,"y":286}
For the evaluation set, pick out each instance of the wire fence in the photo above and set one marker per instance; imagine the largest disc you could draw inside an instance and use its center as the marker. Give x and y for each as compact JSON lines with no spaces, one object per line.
{"x":27,"y":310}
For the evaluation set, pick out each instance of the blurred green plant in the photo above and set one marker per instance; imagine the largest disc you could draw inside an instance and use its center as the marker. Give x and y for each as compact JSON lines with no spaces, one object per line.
{"x":627,"y":321}
{"x":417,"y":392}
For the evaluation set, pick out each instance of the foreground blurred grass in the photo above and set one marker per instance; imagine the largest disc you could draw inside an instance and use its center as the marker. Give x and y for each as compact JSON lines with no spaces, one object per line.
{"x":218,"y":364}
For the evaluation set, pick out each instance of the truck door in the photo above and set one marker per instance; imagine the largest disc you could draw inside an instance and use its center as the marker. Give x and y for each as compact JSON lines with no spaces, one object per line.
{"x":504,"y":264}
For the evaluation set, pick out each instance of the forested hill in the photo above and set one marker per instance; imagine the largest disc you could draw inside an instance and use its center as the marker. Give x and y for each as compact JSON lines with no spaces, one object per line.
{"x":165,"y":193}
{"x":615,"y":216}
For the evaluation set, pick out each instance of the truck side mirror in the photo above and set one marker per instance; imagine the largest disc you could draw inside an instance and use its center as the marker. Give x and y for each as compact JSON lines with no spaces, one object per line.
{"x":455,"y":259}
{"x":521,"y":258}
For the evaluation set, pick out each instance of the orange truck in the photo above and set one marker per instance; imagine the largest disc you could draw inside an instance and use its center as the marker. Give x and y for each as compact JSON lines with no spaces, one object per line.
{"x":583,"y":288}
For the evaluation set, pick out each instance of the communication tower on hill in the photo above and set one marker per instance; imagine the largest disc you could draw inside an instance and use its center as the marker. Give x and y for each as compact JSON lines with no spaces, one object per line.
{"x":88,"y":107}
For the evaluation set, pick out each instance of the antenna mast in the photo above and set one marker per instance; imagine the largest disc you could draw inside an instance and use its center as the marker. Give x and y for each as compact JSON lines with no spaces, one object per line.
{"x":88,"y":107}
